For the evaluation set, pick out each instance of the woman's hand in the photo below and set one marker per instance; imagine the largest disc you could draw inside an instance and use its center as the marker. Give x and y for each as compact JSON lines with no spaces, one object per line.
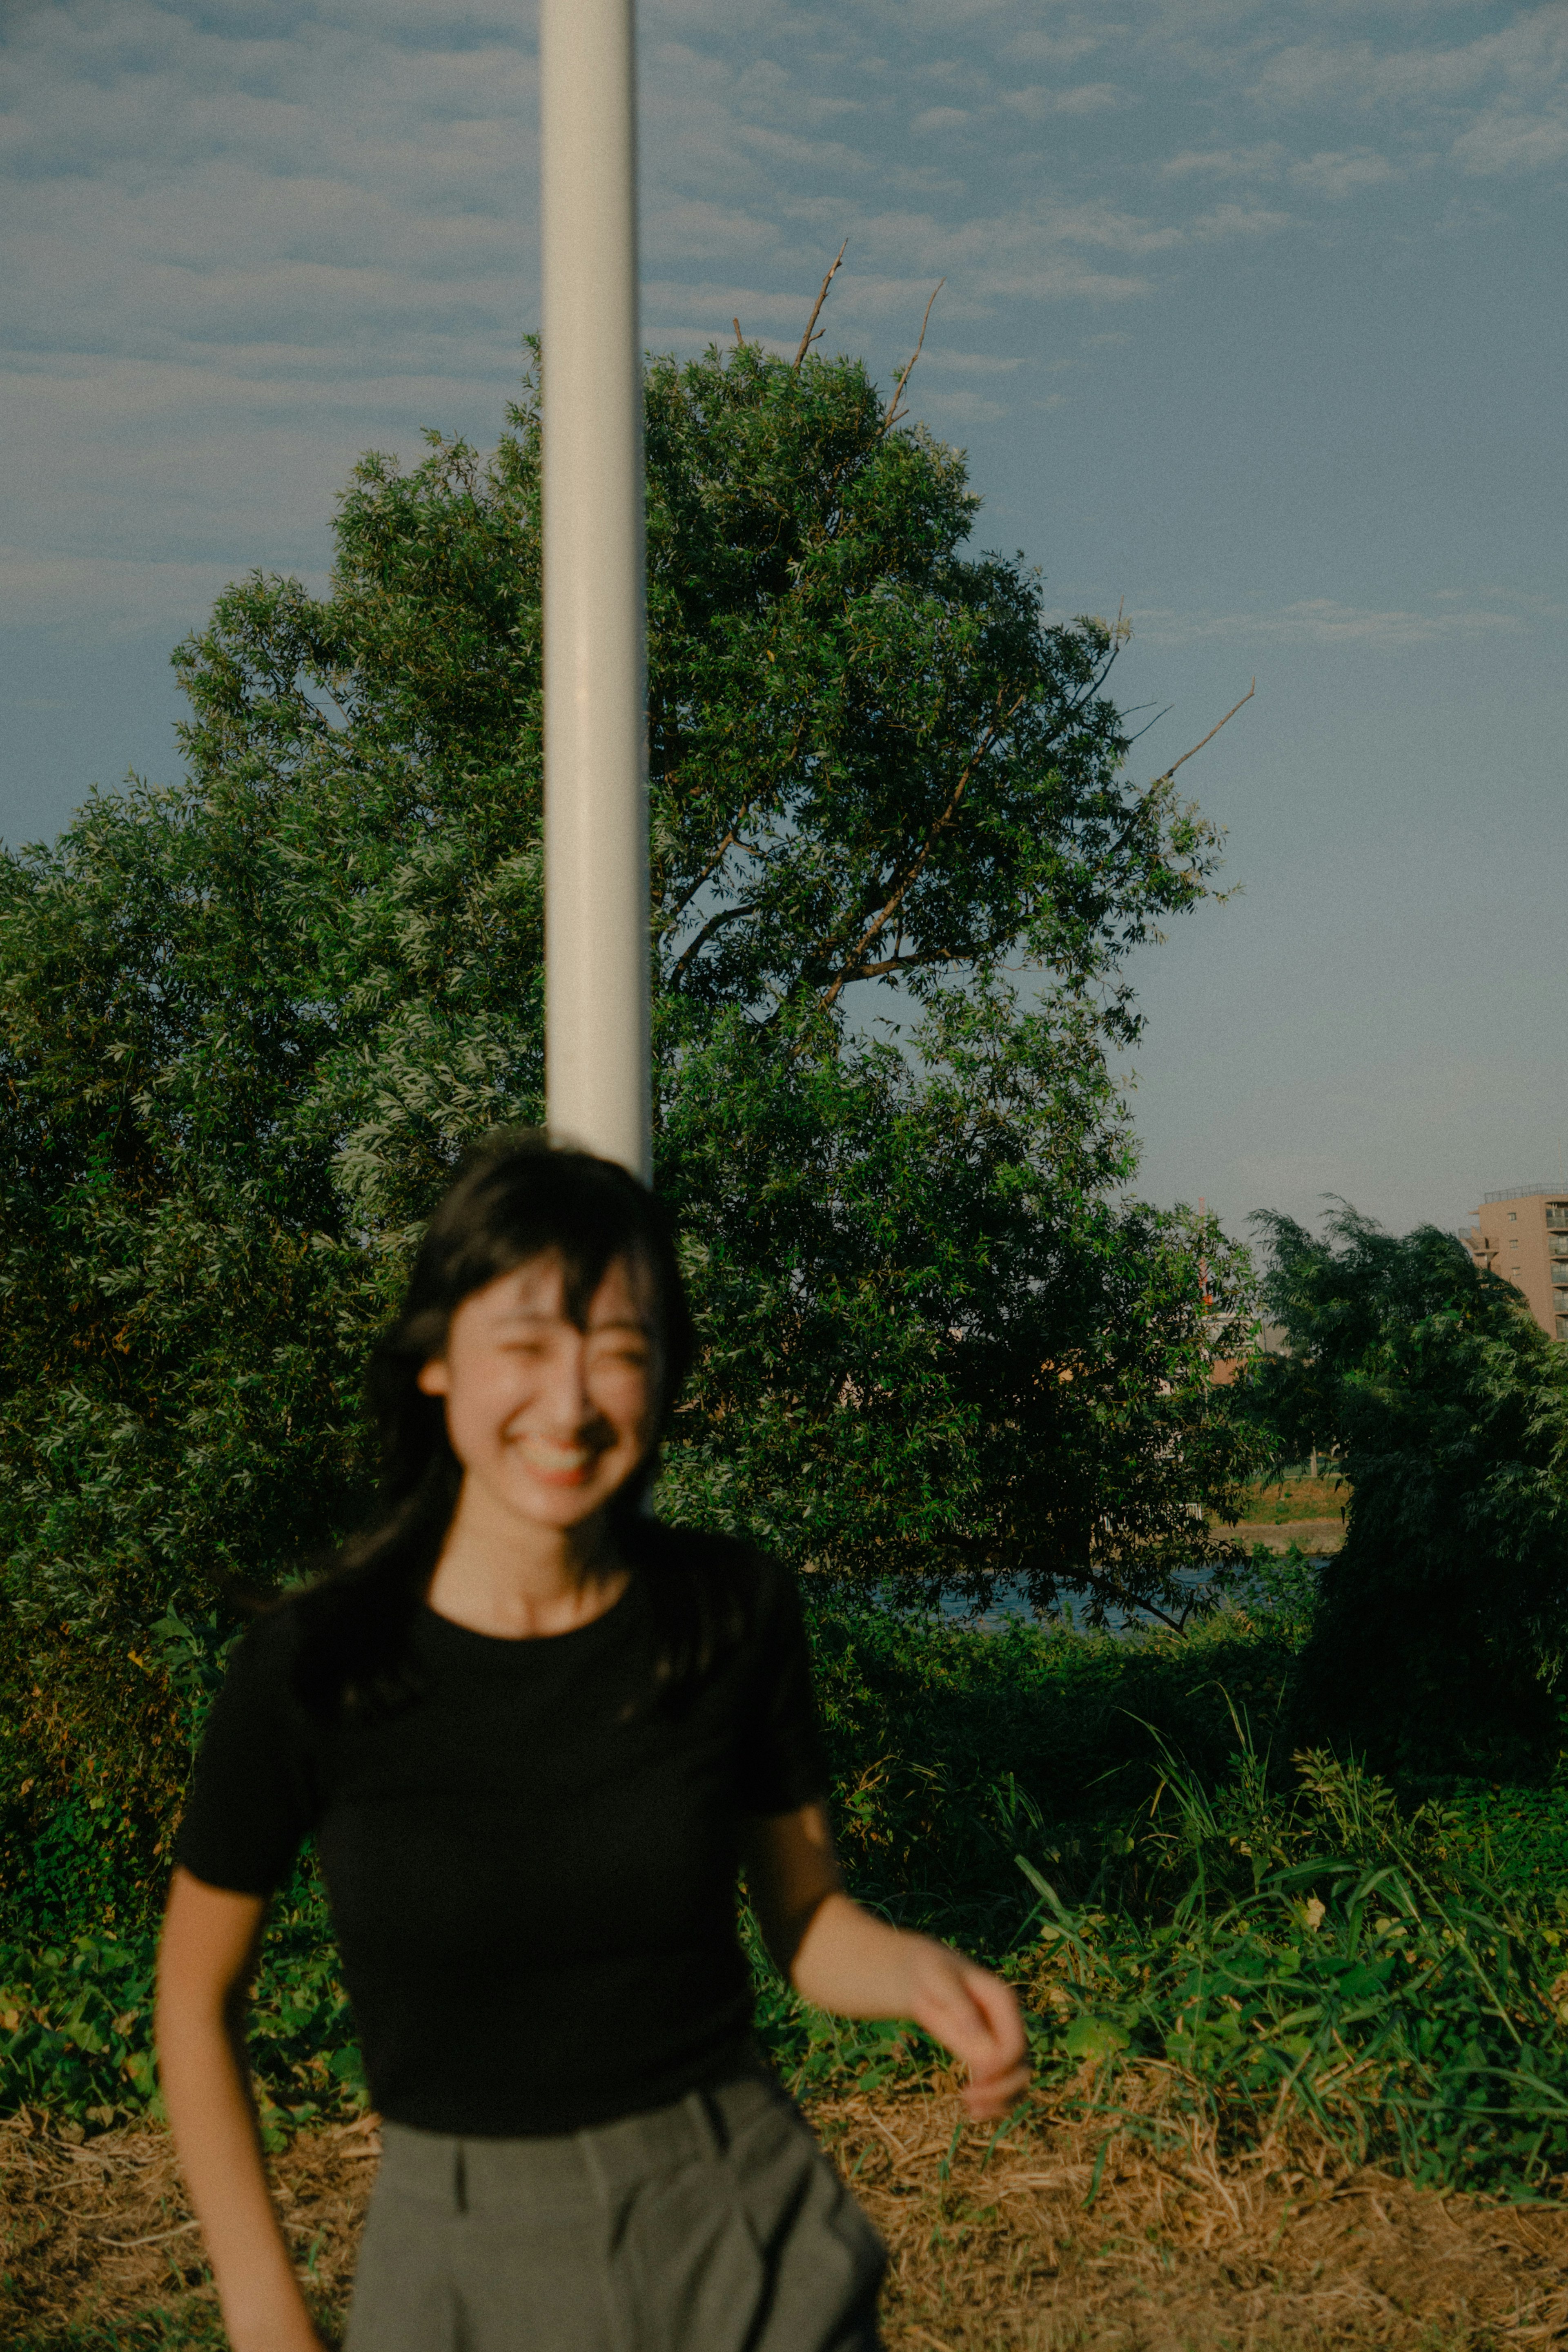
{"x":976,"y":2017}
{"x":846,"y":1959}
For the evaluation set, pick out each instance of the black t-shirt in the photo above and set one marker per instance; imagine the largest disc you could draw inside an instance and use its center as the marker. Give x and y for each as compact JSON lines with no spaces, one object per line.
{"x":531,"y":1872}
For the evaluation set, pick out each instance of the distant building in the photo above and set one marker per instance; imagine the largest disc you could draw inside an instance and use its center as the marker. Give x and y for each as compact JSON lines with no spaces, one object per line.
{"x":1269,"y":1340}
{"x":1523,"y":1236}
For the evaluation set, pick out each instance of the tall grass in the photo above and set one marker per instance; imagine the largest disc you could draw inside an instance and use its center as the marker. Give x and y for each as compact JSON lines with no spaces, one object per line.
{"x":1321,"y":1961}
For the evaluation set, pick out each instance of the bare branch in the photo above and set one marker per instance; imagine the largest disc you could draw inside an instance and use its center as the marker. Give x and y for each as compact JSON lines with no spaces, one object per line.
{"x":1207,"y":739}
{"x":807,"y":339}
{"x":893,"y":411}
{"x":732,"y":839}
{"x":1153,"y":722}
{"x":739,"y":338}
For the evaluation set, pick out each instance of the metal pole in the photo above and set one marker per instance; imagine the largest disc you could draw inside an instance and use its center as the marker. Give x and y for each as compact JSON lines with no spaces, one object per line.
{"x":596,"y":1064}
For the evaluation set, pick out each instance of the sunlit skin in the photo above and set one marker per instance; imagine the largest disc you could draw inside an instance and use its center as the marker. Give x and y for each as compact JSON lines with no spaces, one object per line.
{"x":548,"y":1422}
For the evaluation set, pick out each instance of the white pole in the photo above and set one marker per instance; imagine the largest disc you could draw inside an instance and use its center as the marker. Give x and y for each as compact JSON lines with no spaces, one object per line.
{"x":596,"y":797}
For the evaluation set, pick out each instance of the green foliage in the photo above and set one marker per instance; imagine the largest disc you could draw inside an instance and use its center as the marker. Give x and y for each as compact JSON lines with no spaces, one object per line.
{"x":936,"y":1354}
{"x":1444,"y":1620}
{"x":76,"y":2026}
{"x":869,"y":754}
{"x":936,"y":1732}
{"x":1322,"y":1954}
{"x":75,"y":2023}
{"x":247,"y":1022}
{"x":1307,"y":1950}
{"x":1521,"y":1834}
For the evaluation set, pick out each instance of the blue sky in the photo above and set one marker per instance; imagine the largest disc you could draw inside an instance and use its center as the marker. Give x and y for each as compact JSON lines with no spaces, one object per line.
{"x":1253,"y":323}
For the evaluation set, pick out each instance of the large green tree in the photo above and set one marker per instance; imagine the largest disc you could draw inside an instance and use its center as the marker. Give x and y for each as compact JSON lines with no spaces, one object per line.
{"x":247,"y":1022}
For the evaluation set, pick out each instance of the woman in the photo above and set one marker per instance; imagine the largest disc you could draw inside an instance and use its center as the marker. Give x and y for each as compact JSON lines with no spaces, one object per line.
{"x":535,"y":1735}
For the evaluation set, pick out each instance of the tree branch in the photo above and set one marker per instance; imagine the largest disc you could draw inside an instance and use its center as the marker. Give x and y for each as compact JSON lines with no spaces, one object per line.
{"x":711,"y":868}
{"x":732,"y":838}
{"x":911,"y":963}
{"x":1207,"y":739}
{"x":893,"y":411}
{"x":715,"y":924}
{"x":884,"y":914}
{"x":807,"y":339}
{"x":922,"y":958}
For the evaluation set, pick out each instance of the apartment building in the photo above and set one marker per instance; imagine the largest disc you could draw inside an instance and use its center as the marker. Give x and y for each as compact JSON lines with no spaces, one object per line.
{"x":1523,"y":1236}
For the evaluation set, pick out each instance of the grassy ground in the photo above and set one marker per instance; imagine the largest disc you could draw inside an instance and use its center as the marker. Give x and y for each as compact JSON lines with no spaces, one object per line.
{"x":1308,"y":1512}
{"x":1067,"y":2235}
{"x":1300,"y":2036}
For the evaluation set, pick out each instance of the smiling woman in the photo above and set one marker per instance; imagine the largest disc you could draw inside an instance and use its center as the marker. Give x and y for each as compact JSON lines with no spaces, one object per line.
{"x":536,"y":1735}
{"x":549,"y":1416}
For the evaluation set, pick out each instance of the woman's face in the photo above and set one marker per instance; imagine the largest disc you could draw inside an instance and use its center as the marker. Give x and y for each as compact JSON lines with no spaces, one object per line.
{"x":548,"y":1420}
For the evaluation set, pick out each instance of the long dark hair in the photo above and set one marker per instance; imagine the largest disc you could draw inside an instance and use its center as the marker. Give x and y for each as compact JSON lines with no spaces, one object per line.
{"x":515,"y":1197}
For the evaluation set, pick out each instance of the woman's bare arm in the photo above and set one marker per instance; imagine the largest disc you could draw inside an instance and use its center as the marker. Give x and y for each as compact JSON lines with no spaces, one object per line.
{"x":844,"y":1958}
{"x":204,"y":1967}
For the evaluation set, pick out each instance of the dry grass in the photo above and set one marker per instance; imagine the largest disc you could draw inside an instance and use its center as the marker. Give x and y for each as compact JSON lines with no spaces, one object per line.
{"x":1064,"y":2239}
{"x":1056,"y":2239}
{"x":1315,"y":1537}
{"x":97,"y":2233}
{"x":1305,"y":1511}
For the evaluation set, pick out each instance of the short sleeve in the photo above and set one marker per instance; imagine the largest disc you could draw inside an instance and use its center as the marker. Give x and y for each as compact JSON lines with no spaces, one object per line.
{"x":252,"y":1801}
{"x":783,"y":1763}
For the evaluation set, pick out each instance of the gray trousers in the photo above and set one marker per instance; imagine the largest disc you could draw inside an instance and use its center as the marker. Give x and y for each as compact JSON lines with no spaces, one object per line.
{"x":715,"y":2225}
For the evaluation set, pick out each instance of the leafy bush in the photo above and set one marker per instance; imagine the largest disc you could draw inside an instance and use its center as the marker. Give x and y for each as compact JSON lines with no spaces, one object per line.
{"x":76,"y":2026}
{"x":75,"y":2023}
{"x":927,"y":1720}
{"x":1443,"y":1626}
{"x":1374,"y":1981}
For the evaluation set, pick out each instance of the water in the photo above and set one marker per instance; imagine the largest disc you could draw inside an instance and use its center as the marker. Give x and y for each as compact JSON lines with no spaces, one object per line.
{"x":1010,"y":1605}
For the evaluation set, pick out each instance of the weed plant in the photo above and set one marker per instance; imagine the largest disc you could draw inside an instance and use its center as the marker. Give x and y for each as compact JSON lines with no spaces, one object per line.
{"x":76,"y":2020}
{"x":1321,"y":1959}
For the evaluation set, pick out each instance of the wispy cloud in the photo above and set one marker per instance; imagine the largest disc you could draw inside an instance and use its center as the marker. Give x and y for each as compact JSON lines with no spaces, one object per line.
{"x":1238,"y":220}
{"x":1092,"y":97}
{"x":959,"y":412}
{"x":1338,"y":174}
{"x":1323,"y":621}
{"x":124,"y":596}
{"x":1515,"y":138}
{"x":1502,"y":98}
{"x":244,"y":241}
{"x":971,"y":363}
{"x":1264,"y":161}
